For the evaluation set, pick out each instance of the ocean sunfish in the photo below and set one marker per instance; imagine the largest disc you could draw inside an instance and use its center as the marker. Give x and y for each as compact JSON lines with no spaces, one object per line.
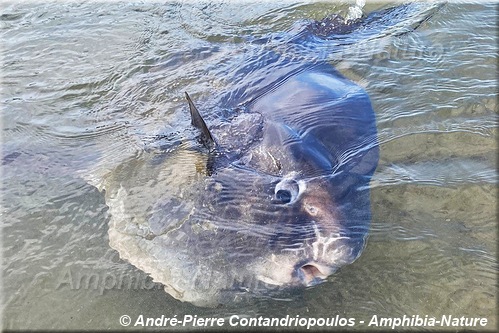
{"x":272,"y":197}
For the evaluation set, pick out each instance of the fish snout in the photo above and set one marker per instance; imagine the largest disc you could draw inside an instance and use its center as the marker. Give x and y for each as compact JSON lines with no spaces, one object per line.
{"x":310,"y":265}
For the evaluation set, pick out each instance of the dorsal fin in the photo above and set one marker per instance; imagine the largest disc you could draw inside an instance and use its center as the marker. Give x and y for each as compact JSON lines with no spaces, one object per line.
{"x":198,"y":122}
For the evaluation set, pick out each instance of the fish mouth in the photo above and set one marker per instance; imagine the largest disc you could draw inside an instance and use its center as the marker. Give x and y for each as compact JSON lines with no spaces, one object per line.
{"x":312,"y":273}
{"x":305,"y":273}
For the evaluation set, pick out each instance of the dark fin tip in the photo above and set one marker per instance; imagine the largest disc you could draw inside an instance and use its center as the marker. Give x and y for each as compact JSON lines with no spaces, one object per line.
{"x":198,"y":122}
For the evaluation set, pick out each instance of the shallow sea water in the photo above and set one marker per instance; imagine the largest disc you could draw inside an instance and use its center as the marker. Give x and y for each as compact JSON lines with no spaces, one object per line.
{"x":85,"y":84}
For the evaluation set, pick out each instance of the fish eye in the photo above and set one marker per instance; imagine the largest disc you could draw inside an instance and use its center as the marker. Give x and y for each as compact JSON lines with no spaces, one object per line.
{"x":286,"y":191}
{"x":283,"y":196}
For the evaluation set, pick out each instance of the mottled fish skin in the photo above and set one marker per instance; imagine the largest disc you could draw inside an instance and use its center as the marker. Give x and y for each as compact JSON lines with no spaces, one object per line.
{"x":306,"y":183}
{"x":273,"y":197}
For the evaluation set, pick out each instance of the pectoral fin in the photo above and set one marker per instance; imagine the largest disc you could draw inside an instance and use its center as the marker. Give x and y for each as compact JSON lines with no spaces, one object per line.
{"x":198,"y":122}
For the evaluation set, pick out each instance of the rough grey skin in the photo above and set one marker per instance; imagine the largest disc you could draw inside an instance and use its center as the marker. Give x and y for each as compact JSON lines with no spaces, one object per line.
{"x":275,"y":196}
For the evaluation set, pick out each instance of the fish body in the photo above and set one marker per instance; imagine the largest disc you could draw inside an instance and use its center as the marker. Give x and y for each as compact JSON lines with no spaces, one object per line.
{"x":274,"y":196}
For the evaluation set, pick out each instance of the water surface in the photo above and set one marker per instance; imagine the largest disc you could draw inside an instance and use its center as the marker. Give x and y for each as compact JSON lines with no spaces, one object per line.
{"x":86,"y":86}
